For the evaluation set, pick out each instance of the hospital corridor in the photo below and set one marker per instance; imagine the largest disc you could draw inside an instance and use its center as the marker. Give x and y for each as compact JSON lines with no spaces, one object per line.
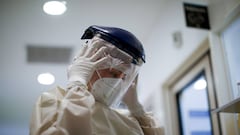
{"x":129,"y":67}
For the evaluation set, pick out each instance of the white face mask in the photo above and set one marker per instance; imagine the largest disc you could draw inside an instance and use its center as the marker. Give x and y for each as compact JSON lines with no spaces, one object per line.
{"x":107,"y":90}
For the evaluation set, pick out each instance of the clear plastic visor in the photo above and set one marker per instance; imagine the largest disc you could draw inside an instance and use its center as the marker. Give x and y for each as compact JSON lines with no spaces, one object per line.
{"x":111,"y":79}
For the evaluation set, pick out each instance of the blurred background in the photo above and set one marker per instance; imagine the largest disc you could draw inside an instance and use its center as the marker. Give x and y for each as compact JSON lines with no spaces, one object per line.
{"x":33,"y":42}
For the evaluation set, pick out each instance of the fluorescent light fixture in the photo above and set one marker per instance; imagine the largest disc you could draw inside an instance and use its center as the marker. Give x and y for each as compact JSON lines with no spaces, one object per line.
{"x":200,"y":84}
{"x":54,"y":7}
{"x":46,"y":78}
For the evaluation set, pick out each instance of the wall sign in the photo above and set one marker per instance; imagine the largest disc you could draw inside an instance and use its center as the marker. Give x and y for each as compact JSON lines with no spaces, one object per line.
{"x":196,"y":16}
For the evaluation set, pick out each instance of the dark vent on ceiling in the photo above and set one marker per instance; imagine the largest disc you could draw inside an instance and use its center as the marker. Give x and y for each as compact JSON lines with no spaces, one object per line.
{"x":46,"y":54}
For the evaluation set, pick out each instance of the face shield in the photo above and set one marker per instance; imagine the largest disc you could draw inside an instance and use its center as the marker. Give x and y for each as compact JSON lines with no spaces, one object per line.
{"x":111,"y":80}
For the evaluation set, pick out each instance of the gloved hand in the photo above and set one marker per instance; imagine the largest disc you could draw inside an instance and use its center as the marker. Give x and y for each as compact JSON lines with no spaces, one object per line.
{"x":131,"y":100}
{"x":86,"y":62}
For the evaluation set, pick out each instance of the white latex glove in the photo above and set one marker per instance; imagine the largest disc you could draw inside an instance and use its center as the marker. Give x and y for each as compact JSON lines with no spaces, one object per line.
{"x":131,"y":100}
{"x":85,"y":63}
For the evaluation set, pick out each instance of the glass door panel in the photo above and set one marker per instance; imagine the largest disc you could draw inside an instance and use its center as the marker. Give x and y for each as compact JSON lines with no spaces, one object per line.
{"x":193,"y":108}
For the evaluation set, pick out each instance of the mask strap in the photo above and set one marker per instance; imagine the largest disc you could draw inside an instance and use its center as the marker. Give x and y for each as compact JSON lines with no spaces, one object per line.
{"x":98,"y":74}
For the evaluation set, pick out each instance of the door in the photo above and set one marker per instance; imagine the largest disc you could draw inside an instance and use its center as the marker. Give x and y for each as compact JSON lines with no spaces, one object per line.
{"x":191,"y":98}
{"x":194,"y":108}
{"x":195,"y":98}
{"x":231,"y":48}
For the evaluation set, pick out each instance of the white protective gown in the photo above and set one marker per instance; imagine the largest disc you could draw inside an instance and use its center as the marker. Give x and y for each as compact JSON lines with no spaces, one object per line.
{"x":75,"y":112}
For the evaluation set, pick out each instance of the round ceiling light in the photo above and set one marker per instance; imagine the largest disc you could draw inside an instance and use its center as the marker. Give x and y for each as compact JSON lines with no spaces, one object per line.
{"x":46,"y":78}
{"x":54,"y":7}
{"x":200,"y":84}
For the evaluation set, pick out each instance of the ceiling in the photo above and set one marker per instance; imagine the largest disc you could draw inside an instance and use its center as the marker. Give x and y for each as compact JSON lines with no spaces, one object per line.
{"x":23,"y":24}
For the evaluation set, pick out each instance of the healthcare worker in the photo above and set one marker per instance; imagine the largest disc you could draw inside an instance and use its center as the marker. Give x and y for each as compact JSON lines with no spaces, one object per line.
{"x":100,"y":76}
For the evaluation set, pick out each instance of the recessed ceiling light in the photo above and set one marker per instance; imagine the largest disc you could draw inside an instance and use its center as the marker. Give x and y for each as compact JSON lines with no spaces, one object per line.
{"x":54,"y":7}
{"x":46,"y":78}
{"x":200,"y":84}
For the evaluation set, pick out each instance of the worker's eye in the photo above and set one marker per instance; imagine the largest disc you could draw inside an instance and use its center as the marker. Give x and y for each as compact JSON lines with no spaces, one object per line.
{"x":117,"y":74}
{"x":114,"y":75}
{"x":123,"y":76}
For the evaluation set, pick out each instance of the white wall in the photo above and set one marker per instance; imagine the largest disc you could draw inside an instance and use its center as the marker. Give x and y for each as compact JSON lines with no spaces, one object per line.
{"x":163,"y":58}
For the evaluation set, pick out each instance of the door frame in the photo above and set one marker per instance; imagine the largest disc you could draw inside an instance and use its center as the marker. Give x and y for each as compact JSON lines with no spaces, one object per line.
{"x":221,"y":69}
{"x":196,"y":63}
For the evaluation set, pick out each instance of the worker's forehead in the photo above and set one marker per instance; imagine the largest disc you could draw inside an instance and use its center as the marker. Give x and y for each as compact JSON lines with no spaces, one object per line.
{"x":111,"y":50}
{"x":123,"y":67}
